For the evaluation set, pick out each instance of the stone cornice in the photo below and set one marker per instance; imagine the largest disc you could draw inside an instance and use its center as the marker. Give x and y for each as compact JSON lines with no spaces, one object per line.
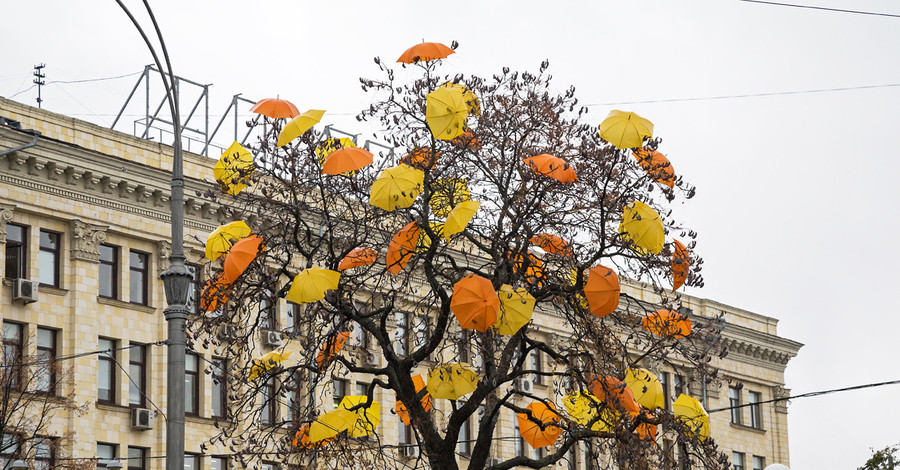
{"x":6,"y":214}
{"x":750,"y":345}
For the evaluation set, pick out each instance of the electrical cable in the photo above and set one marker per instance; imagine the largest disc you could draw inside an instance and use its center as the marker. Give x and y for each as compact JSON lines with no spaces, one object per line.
{"x":139,"y":389}
{"x":95,"y":79}
{"x":812,"y":7}
{"x":76,"y":356}
{"x":808,"y":394}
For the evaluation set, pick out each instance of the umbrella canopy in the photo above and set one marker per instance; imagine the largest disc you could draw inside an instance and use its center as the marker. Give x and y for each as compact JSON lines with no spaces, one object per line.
{"x":424,"y":52}
{"x":647,"y":431}
{"x":331,"y":424}
{"x":301,"y":439}
{"x":656,"y":165}
{"x":667,"y":323}
{"x":396,"y":187}
{"x":459,"y":218}
{"x":421,"y":158}
{"x":447,"y":193}
{"x":367,"y":416}
{"x":268,"y":361}
{"x":690,"y":412}
{"x":214,"y":293}
{"x":473,"y":104}
{"x":451,"y":381}
{"x":516,"y":309}
{"x":233,"y":167}
{"x":299,"y":125}
{"x":402,"y":247}
{"x":312,"y":284}
{"x":330,"y":146}
{"x":585,"y":408}
{"x":475,"y":303}
{"x":681,"y":264}
{"x":358,"y":257}
{"x":534,"y":273}
{"x":347,"y":160}
{"x":602,"y":291}
{"x":275,"y":108}
{"x":625,"y":130}
{"x":642,"y":226}
{"x":332,"y":346}
{"x":538,"y":429}
{"x":424,"y":240}
{"x":468,"y":140}
{"x":446,"y":112}
{"x":242,"y":253}
{"x":552,"y":244}
{"x":615,"y":394}
{"x":402,"y":412}
{"x":553,"y":167}
{"x":646,"y":387}
{"x":220,"y":240}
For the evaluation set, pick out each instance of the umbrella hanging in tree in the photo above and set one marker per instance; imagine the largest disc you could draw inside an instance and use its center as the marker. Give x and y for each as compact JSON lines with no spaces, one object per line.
{"x":346,"y":161}
{"x":368,"y":415}
{"x":299,"y":125}
{"x":424,"y":240}
{"x":447,"y":193}
{"x":667,"y":324}
{"x":602,"y":291}
{"x":681,"y":264}
{"x":691,"y":413}
{"x":553,"y":167}
{"x":312,"y":284}
{"x":242,"y":253}
{"x":646,"y":387}
{"x":446,"y":112}
{"x":451,"y":381}
{"x":275,"y":108}
{"x":472,"y":102}
{"x":402,"y":247}
{"x":233,"y":167}
{"x":459,"y":218}
{"x":267,"y":362}
{"x":424,"y":52}
{"x":358,"y":257}
{"x":333,"y":345}
{"x":516,"y":309}
{"x":552,"y":244}
{"x":396,"y":188}
{"x":656,"y":165}
{"x":302,"y":439}
{"x":220,"y":240}
{"x":475,"y":303}
{"x":331,"y":424}
{"x":542,"y":433}
{"x":625,"y":130}
{"x":642,"y":226}
{"x":585,"y":409}
{"x":615,"y":394}
{"x":214,"y":293}
{"x":421,"y":158}
{"x":401,"y":409}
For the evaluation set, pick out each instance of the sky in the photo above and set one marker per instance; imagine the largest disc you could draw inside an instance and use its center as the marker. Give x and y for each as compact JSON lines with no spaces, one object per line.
{"x":795,"y":186}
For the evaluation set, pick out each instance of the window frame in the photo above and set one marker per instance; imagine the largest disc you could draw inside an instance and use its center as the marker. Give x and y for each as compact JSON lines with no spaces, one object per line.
{"x":738,"y":462}
{"x":113,"y":265}
{"x":139,"y":382}
{"x":21,"y":246}
{"x":194,"y":390}
{"x":13,"y":367}
{"x":142,"y":458}
{"x":195,"y":457}
{"x":114,"y":454}
{"x":145,"y":274}
{"x":758,"y":462}
{"x":535,"y":363}
{"x":219,"y":382}
{"x":48,"y":354}
{"x":753,"y":400}
{"x":50,"y":461}
{"x":111,"y":360}
{"x":7,"y":458}
{"x":268,"y":413}
{"x":223,"y":462}
{"x":56,"y":258}
{"x":402,"y":343}
{"x":734,"y":403}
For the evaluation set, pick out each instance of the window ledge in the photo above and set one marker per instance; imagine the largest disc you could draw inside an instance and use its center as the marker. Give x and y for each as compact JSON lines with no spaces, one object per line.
{"x":198,"y":419}
{"x":52,"y":290}
{"x":748,"y":428}
{"x":111,"y":407}
{"x":123,"y":304}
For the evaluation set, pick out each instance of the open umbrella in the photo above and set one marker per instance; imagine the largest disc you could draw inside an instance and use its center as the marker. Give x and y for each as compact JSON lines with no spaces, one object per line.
{"x":538,"y":429}
{"x":615,"y":394}
{"x":553,"y":167}
{"x":646,"y":387}
{"x":421,"y":158}
{"x":311,"y":284}
{"x":358,"y":257}
{"x":402,"y":247}
{"x":534,"y":273}
{"x":424,"y":240}
{"x":681,"y":264}
{"x":424,"y":52}
{"x":446,"y":112}
{"x":268,"y":361}
{"x":516,"y":309}
{"x":330,"y":146}
{"x":656,"y":165}
{"x":468,"y":140}
{"x":552,"y":244}
{"x":275,"y":108}
{"x":667,"y":324}
{"x":401,"y":409}
{"x":446,"y":193}
{"x":241,"y":254}
{"x":220,"y":240}
{"x":299,"y":125}
{"x":396,"y":187}
{"x":331,"y":424}
{"x":475,"y":303}
{"x":602,"y":291}
{"x":301,"y":439}
{"x":451,"y":381}
{"x":585,"y":409}
{"x":690,"y":412}
{"x":214,"y":293}
{"x":625,"y":130}
{"x":642,"y":226}
{"x":233,"y":167}
{"x":367,"y":416}
{"x":646,"y":430}
{"x":459,"y":218}
{"x":472,"y":102}
{"x":332,"y":346}
{"x":346,"y":160}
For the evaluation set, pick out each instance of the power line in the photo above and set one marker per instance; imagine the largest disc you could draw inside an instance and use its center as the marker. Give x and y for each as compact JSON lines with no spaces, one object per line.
{"x":809,"y":394}
{"x":812,"y":7}
{"x":76,"y":356}
{"x":95,"y":79}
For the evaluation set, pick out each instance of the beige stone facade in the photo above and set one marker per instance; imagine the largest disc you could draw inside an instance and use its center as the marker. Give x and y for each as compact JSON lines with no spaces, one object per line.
{"x":94,"y":186}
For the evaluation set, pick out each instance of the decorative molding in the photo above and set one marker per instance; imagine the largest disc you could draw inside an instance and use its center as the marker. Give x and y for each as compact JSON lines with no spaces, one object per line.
{"x":86,"y":240}
{"x":6,"y":214}
{"x":123,"y":304}
{"x":748,"y":349}
{"x":781,"y":406}
{"x":163,"y":251}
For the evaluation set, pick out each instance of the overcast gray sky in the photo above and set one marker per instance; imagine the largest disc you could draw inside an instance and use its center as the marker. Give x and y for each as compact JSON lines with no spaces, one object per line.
{"x":797,"y":193}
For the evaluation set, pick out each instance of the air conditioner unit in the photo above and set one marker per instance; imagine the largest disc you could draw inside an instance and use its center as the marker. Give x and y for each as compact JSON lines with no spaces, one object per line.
{"x":271,"y":338}
{"x":524,"y":385}
{"x":25,"y":290}
{"x":141,"y":418}
{"x":410,"y":451}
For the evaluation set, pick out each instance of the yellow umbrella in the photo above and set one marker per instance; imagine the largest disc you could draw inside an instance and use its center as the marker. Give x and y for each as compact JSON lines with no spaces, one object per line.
{"x":367,"y":417}
{"x":424,"y":240}
{"x":647,"y":389}
{"x":472,"y":102}
{"x":447,"y":193}
{"x":311,"y":284}
{"x":233,"y":166}
{"x":459,"y":217}
{"x":219,"y":242}
{"x":516,"y":309}
{"x":331,"y":424}
{"x":643,"y":227}
{"x":299,"y":125}
{"x":330,"y":146}
{"x":625,"y":130}
{"x":446,"y":112}
{"x":397,"y":187}
{"x":584,"y":408}
{"x":451,"y":381}
{"x":261,"y":365}
{"x":690,"y":412}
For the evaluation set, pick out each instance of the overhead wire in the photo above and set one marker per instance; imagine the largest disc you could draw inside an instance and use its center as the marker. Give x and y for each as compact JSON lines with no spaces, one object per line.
{"x":813,"y":7}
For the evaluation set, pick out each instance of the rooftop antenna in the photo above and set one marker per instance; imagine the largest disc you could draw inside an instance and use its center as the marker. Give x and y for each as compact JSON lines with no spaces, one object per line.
{"x":39,"y":80}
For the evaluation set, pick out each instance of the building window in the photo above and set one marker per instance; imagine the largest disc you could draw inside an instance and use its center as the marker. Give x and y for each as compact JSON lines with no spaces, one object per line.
{"x":9,"y":450}
{"x":268,"y":318}
{"x":734,"y":402}
{"x":267,"y":412}
{"x":360,"y":337}
{"x":572,"y":457}
{"x":402,"y":334}
{"x":106,"y":452}
{"x":218,"y":463}
{"x":534,"y":363}
{"x":219,"y":388}
{"x":405,"y":434}
{"x":465,"y":446}
{"x":195,"y":288}
{"x":106,"y":371}
{"x":737,"y":460}
{"x":462,"y":345}
{"x":759,"y":463}
{"x":678,"y":385}
{"x":16,"y":250}
{"x":48,"y":259}
{"x":755,"y":413}
{"x":12,"y":355}
{"x":191,"y":461}
{"x":268,"y":466}
{"x":44,"y":450}
{"x":191,"y":384}
{"x":137,"y":458}
{"x":664,"y":381}
{"x":137,"y":371}
{"x":45,"y":372}
{"x":138,"y":267}
{"x":109,"y":271}
{"x":340,"y":389}
{"x":521,"y":445}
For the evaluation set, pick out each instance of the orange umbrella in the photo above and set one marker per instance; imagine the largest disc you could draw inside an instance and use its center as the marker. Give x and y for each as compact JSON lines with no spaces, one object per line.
{"x":402,"y":412}
{"x":543,"y":434}
{"x":602,"y":291}
{"x":358,"y":257}
{"x":301,"y":439}
{"x":667,"y":323}
{"x":552,"y":244}
{"x":554,"y":167}
{"x":402,"y":247}
{"x":275,"y":108}
{"x":215,"y":293}
{"x":421,"y":158}
{"x":475,"y":303}
{"x":468,"y":140}
{"x":240,"y":256}
{"x":332,"y":346}
{"x":647,"y":431}
{"x":615,"y":393}
{"x":346,"y":160}
{"x":425,"y":51}
{"x":681,"y":263}
{"x":534,"y":273}
{"x":656,"y":165}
